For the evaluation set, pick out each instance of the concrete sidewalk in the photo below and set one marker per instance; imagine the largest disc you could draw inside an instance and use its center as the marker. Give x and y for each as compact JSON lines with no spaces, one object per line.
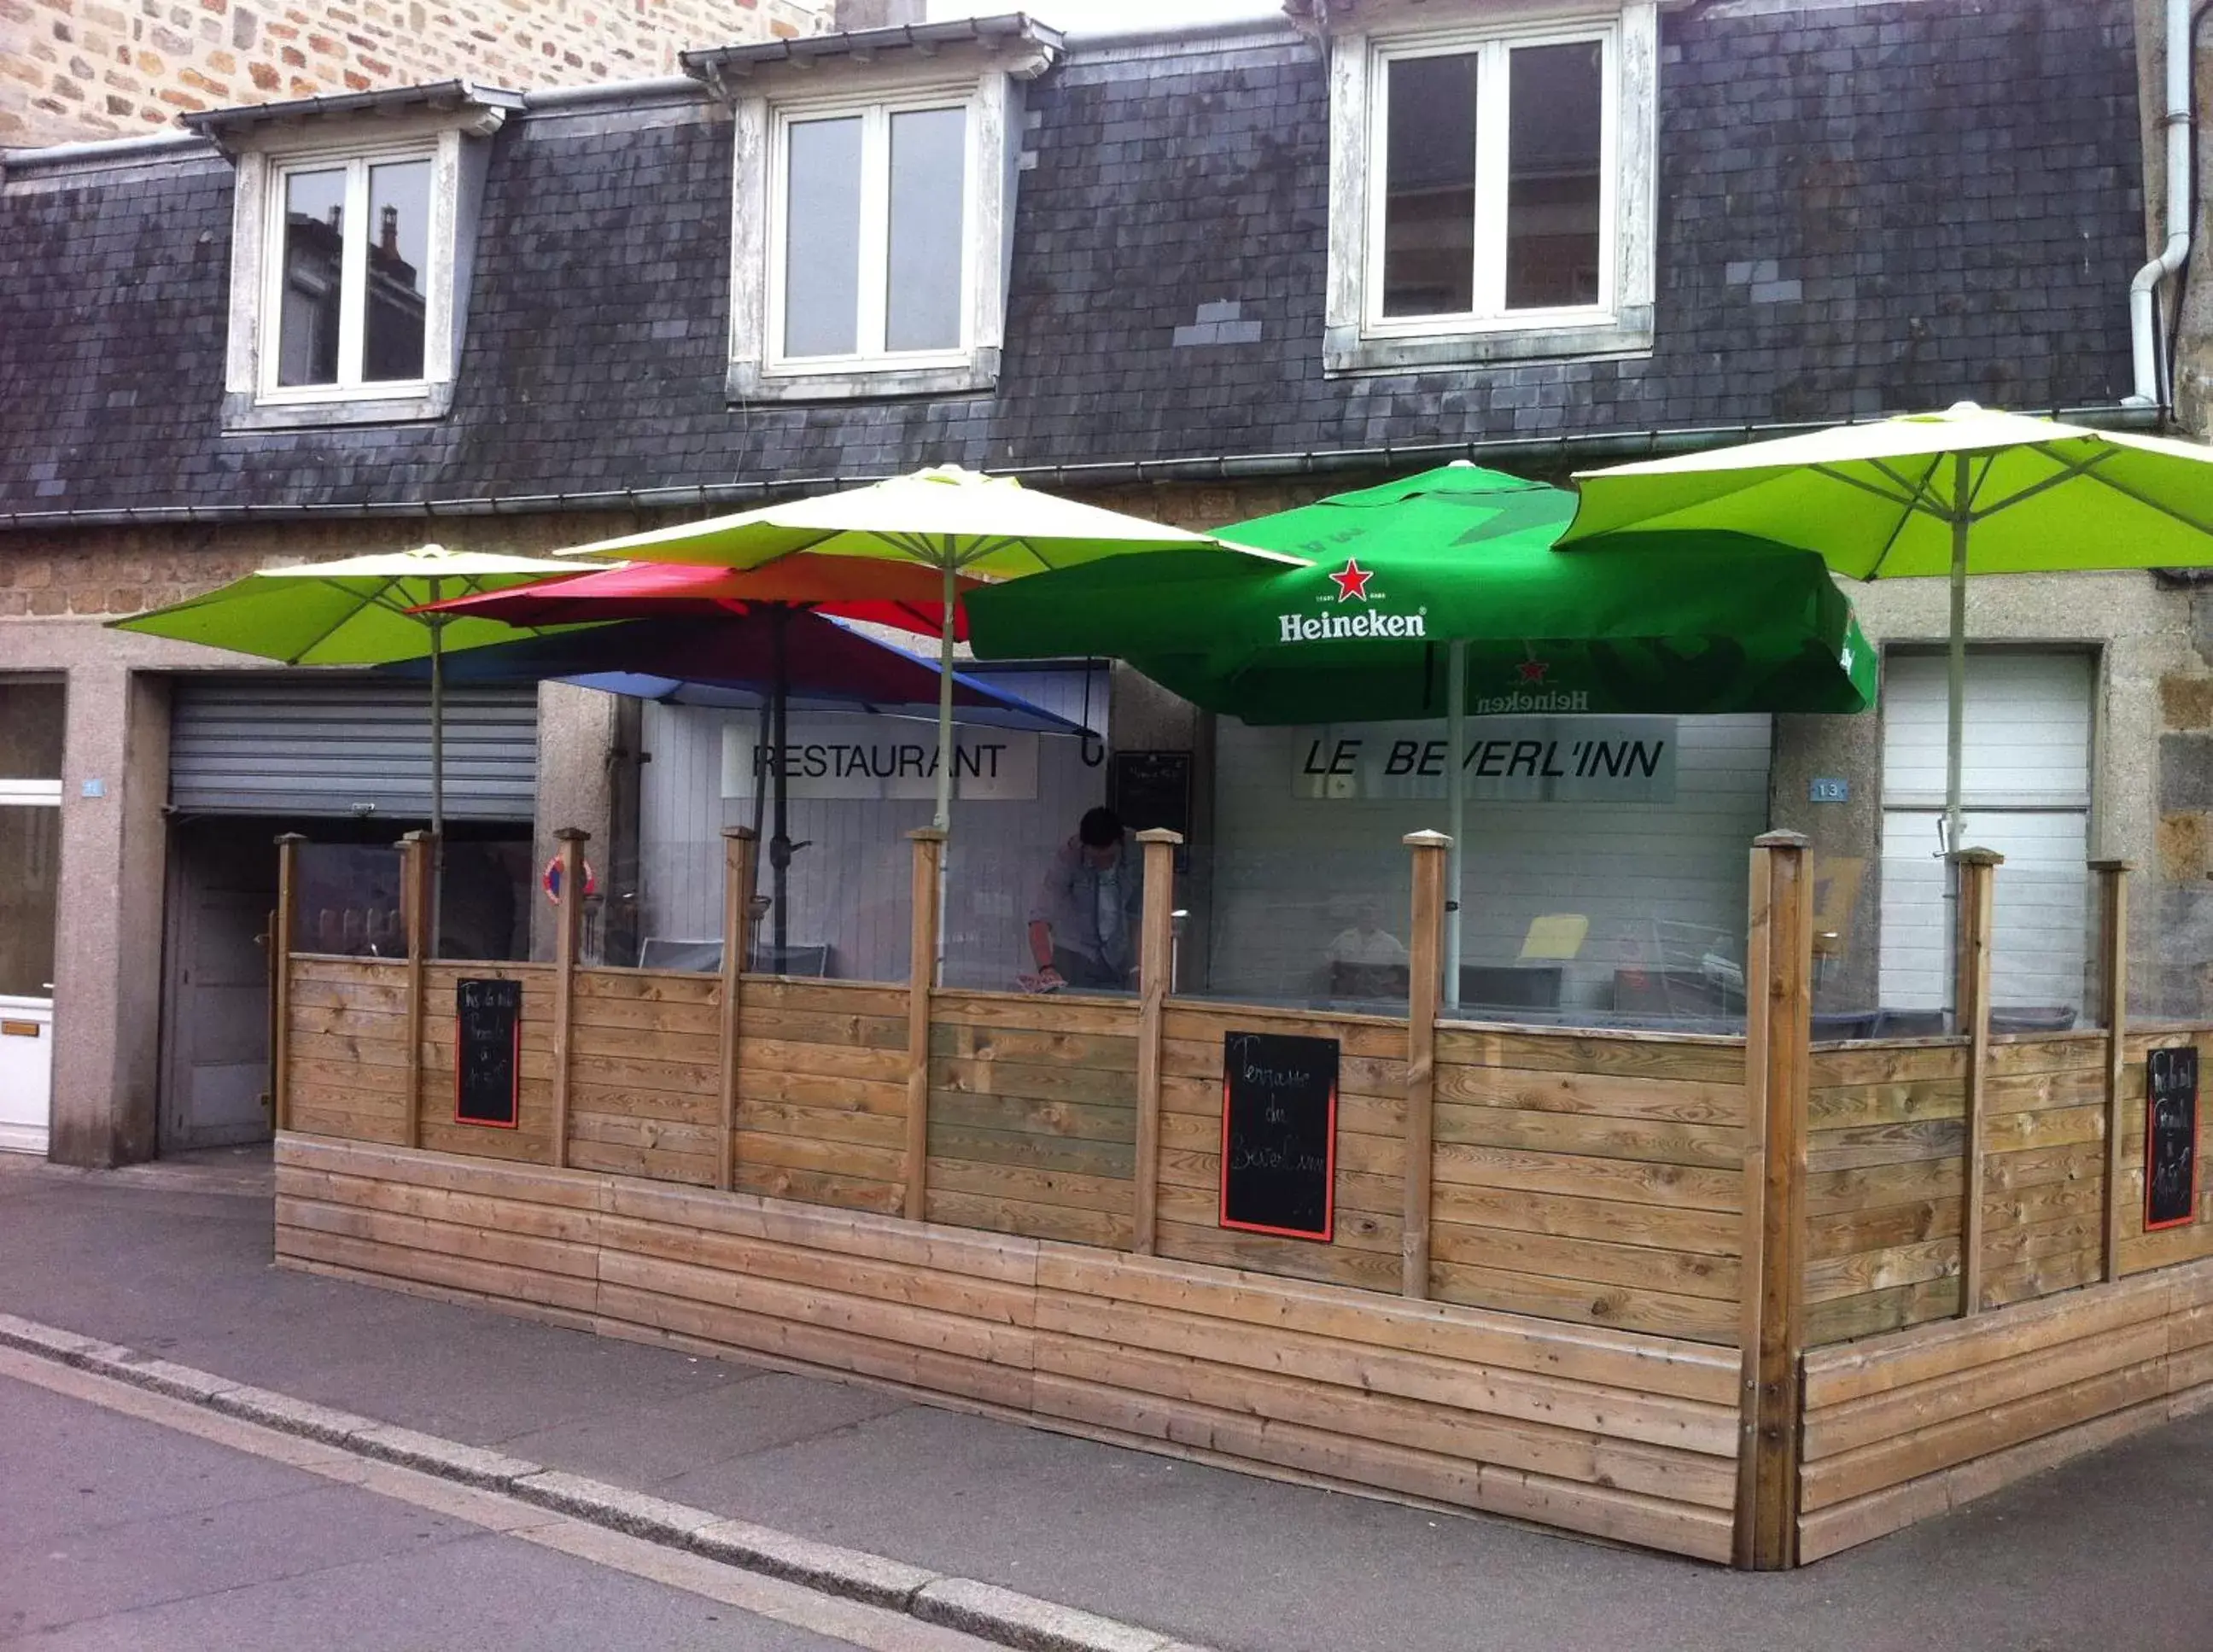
{"x":175,"y":1261}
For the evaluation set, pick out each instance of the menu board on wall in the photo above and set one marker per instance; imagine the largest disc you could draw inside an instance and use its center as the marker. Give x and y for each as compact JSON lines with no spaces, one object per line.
{"x":488,"y":1054}
{"x":1279,"y":1134}
{"x":2171,"y":1138}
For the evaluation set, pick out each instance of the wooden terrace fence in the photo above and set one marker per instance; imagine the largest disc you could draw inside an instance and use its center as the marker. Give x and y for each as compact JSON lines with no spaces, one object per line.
{"x":1594,"y":1278}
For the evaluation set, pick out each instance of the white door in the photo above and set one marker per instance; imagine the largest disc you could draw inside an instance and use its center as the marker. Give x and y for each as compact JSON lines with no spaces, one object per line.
{"x":2025,"y":788}
{"x":30,"y":869}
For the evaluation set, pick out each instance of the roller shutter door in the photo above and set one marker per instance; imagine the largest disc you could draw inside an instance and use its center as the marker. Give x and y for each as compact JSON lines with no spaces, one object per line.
{"x":328,"y":744}
{"x":2025,"y":791}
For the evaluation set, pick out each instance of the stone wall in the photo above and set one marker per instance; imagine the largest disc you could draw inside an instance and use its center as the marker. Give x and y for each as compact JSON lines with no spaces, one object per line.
{"x":87,"y":69}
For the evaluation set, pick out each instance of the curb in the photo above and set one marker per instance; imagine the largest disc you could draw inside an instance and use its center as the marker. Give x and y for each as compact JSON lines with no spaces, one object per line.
{"x":984,"y":1609}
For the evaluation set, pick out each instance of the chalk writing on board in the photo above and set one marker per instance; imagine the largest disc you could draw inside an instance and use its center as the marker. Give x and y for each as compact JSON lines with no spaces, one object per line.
{"x":2171,"y":1138}
{"x":1278,"y":1134}
{"x":487,"y":1053}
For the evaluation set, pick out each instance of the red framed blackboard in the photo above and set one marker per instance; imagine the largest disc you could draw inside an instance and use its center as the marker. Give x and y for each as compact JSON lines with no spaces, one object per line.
{"x":1279,"y":1135}
{"x":488,"y":1054}
{"x":2170,"y":1138}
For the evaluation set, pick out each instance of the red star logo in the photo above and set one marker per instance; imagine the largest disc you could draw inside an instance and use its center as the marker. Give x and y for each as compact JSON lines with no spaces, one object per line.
{"x":1532,"y":671}
{"x":1352,"y":581}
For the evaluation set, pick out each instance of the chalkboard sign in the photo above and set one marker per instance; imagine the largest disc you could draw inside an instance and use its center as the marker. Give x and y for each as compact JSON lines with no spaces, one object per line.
{"x":487,"y":1053}
{"x":1153,"y":789}
{"x":1279,"y":1134}
{"x":2171,"y":1138}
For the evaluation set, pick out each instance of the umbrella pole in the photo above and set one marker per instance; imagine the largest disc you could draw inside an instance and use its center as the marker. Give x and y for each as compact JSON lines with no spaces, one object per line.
{"x":779,"y":846}
{"x":1955,"y":712}
{"x":947,"y":752}
{"x":1455,"y":810}
{"x":437,"y":772}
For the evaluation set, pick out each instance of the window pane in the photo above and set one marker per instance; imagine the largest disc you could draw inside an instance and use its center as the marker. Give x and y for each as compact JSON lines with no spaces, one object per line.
{"x":1552,"y":202}
{"x":399,"y":221}
{"x":30,"y":876}
{"x":1429,"y":205}
{"x":315,"y":238}
{"x":822,"y":238}
{"x":929,"y":161}
{"x":30,"y":731}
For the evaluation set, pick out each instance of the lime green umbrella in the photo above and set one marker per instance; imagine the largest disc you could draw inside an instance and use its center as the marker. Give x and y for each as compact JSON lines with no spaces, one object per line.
{"x":1968,"y":491}
{"x":1440,"y":595}
{"x":357,"y":611}
{"x":958,"y":521}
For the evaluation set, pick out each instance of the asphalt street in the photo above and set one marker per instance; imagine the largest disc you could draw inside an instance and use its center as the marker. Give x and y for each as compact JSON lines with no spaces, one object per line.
{"x":120,"y":1532}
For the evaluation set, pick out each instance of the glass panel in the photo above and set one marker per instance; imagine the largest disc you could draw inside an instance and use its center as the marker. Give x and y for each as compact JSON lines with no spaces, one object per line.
{"x":399,"y":221}
{"x":923,"y":300}
{"x":1429,"y":205}
{"x":315,"y":244}
{"x":30,"y":875}
{"x":822,"y":238}
{"x":1553,"y":145}
{"x":30,"y":731}
{"x":1306,"y":927}
{"x":349,"y":901}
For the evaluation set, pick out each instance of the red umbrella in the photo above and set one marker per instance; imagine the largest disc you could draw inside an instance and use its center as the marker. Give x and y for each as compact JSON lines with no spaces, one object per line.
{"x":892,"y":594}
{"x":908,"y":595}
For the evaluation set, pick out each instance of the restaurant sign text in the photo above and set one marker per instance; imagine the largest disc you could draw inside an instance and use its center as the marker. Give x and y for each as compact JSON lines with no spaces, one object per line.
{"x":1509,"y":759}
{"x":830,"y":756}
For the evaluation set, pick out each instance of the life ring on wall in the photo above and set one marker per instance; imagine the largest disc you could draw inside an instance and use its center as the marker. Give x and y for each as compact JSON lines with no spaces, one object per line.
{"x":552,"y":880}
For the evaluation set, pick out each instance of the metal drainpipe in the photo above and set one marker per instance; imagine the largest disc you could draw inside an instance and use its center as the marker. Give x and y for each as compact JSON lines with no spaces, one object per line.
{"x":2144,"y":291}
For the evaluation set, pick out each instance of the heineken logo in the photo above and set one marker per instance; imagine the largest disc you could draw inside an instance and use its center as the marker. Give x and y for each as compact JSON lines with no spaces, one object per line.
{"x":1351,"y":582}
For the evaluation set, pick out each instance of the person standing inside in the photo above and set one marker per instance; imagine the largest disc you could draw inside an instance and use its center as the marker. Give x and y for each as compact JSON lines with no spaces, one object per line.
{"x":1083,"y":924}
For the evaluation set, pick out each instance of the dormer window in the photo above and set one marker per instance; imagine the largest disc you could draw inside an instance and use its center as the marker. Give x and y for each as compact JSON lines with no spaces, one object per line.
{"x":1491,"y":187}
{"x":872,"y":201}
{"x":351,"y":244}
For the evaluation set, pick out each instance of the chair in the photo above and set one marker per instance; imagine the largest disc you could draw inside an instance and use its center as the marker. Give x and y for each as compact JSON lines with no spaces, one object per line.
{"x":1674,"y":992}
{"x":1512,"y":986}
{"x":1908,"y":1024}
{"x":666,"y":952}
{"x":1370,"y":981}
{"x":817,"y":961}
{"x":2036,"y":1018}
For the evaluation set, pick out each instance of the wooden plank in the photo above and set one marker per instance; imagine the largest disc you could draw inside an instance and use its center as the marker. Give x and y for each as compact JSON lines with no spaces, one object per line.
{"x":1062,"y":1012}
{"x":738,"y":851}
{"x":1563,"y":1402}
{"x":1696,"y":1318}
{"x":1033,"y":1185}
{"x":766,"y":992}
{"x":885,"y":1130}
{"x":1705,"y":1233}
{"x":2113,"y":876}
{"x":282,"y":976}
{"x":821,"y":1187}
{"x":1770,"y":1317}
{"x":1426,"y":968}
{"x":929,"y":872}
{"x":1976,"y":870}
{"x":761,"y":1087}
{"x":1059,"y":1083}
{"x":1719,"y":1147}
{"x":823,"y":1060}
{"x":1685,"y":1057}
{"x":1109,"y":1229}
{"x":1038,"y":1047}
{"x":1632,"y":1181}
{"x":1338,"y":1264}
{"x":1111,"y":1160}
{"x":568,"y":936}
{"x":1187,"y":1022}
{"x":1590,"y":1261}
{"x":1533,"y":1090}
{"x":1032,"y":1116}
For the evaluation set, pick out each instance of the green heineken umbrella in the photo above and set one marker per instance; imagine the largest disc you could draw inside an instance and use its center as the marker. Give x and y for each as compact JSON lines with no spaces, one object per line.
{"x":1441,"y":595}
{"x":357,"y":611}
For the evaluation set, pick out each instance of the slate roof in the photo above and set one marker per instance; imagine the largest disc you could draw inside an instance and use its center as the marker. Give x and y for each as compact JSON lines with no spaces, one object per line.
{"x":1863,"y":208}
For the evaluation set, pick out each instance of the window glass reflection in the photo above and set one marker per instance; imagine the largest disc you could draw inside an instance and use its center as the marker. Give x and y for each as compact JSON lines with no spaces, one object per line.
{"x":1429,"y":209}
{"x":315,"y":263}
{"x":1552,"y":240}
{"x":399,"y":254}
{"x":822,"y":238}
{"x":923,"y":297}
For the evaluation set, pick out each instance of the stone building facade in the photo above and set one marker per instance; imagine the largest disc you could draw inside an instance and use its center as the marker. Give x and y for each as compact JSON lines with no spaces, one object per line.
{"x":85,"y":68}
{"x":1857,"y":206}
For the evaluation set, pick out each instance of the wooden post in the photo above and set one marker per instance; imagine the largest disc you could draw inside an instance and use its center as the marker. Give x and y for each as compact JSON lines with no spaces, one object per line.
{"x":415,"y":863}
{"x":1977,"y":875}
{"x":568,"y":933}
{"x":280,"y":979}
{"x":1424,"y":957}
{"x":738,"y":851}
{"x":2113,"y":973}
{"x":1156,"y":946}
{"x":1779,"y":1003}
{"x":922,"y":971}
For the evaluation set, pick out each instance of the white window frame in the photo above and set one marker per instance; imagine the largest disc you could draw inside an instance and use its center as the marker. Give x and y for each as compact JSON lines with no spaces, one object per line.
{"x":353,"y":288}
{"x":869,"y":354}
{"x":1359,"y":338}
{"x":764,"y":104}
